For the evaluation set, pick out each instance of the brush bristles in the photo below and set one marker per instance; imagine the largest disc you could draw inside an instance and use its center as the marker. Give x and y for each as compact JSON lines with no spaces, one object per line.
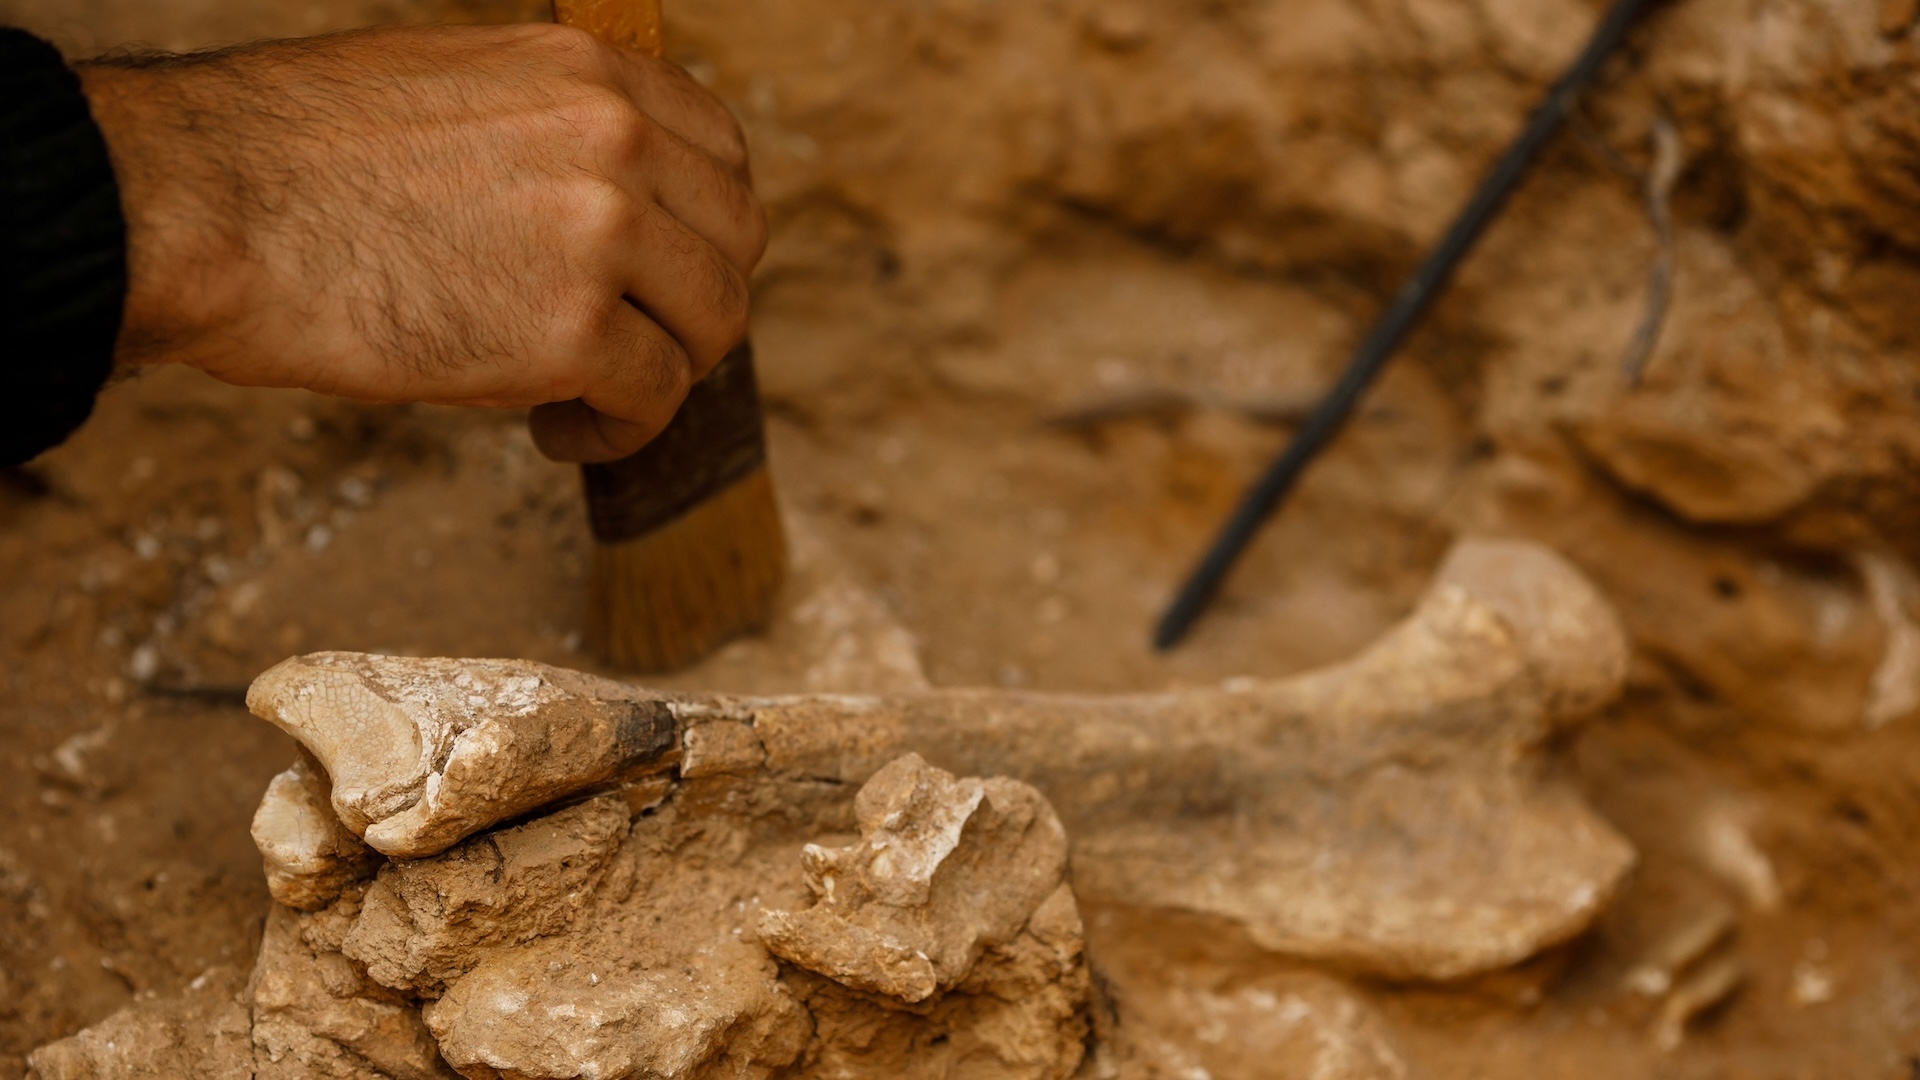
{"x":667,"y":600}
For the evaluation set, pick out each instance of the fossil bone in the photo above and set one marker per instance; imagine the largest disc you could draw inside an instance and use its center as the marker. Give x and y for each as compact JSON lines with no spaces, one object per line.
{"x":1387,"y":813}
{"x":309,"y":855}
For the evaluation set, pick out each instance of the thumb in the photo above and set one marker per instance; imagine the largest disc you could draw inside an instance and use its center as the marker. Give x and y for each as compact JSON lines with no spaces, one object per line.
{"x":574,"y":431}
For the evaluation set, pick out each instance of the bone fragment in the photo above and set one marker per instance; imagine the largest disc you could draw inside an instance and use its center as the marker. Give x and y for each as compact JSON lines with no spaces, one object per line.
{"x":424,"y":753}
{"x":1726,"y":845}
{"x":1388,"y":813}
{"x":1894,"y":589}
{"x":880,"y":924}
{"x":1703,"y":991}
{"x":310,"y":856}
{"x":1680,"y":949}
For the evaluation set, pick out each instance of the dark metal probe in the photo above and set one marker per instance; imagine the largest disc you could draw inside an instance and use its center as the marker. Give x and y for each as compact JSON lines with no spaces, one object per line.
{"x":1412,"y":302}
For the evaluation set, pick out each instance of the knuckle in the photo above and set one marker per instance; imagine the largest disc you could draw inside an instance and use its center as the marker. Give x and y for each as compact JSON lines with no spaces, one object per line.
{"x":571,"y":44}
{"x":652,"y":378}
{"x":605,"y":120}
{"x":600,"y":213}
{"x":730,"y":304}
{"x":672,"y":373}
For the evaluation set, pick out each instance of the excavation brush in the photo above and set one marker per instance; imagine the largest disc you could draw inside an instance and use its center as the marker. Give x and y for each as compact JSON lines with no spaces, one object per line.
{"x":688,"y":547}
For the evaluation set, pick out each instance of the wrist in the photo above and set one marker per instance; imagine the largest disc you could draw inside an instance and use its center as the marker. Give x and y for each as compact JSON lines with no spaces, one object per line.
{"x":186,"y":276}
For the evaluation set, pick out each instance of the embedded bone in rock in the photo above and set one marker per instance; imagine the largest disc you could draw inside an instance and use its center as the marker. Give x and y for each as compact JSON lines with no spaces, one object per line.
{"x":1389,"y":813}
{"x":579,"y":944}
{"x":310,"y":857}
{"x":943,"y":869}
{"x":1021,"y":1012}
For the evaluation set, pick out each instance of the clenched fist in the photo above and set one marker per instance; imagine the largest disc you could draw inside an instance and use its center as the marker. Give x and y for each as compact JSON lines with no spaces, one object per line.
{"x":502,"y":216}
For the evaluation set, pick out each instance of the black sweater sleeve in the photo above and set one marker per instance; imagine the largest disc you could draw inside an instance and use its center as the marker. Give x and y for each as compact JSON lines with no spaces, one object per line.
{"x":63,"y":263}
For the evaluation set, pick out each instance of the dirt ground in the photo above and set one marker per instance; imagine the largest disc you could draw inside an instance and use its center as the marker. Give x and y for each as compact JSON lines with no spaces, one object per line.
{"x":1050,"y":281}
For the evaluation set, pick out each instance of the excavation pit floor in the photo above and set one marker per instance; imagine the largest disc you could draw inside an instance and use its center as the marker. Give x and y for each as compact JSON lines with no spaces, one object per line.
{"x":1018,"y":363}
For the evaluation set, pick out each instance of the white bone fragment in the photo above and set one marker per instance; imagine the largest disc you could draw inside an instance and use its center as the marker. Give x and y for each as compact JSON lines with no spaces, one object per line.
{"x":424,"y":753}
{"x":309,"y":855}
{"x":1894,"y":589}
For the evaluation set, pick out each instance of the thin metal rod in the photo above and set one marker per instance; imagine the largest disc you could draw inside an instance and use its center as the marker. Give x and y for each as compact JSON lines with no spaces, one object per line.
{"x":1415,"y":297}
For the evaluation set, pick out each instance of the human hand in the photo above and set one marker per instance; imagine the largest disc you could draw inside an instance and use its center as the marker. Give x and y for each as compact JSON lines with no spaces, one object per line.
{"x":503,"y":216}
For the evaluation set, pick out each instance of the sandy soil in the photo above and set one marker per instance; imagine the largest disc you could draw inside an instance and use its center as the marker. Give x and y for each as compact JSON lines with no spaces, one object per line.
{"x":1019,"y":361}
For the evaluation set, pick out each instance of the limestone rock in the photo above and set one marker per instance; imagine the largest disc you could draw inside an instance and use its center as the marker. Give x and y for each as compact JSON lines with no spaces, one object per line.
{"x":424,"y":923}
{"x":1294,"y":1027}
{"x":316,"y":1014}
{"x":1021,"y":1013}
{"x":944,"y":869}
{"x":556,"y":1013}
{"x":577,"y":945}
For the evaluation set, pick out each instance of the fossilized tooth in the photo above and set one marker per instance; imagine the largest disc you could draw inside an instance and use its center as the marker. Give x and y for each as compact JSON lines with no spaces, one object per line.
{"x":1389,"y":812}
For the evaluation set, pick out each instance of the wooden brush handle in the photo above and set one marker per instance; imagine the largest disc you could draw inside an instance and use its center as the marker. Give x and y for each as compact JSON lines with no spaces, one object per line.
{"x":630,"y":24}
{"x":717,"y":438}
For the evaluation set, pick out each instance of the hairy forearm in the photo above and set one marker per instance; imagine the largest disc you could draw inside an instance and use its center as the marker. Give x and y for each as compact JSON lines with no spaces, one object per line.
{"x":503,"y":217}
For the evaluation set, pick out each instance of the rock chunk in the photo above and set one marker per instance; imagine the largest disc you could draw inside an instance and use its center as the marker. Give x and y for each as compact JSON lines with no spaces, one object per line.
{"x":944,"y":869}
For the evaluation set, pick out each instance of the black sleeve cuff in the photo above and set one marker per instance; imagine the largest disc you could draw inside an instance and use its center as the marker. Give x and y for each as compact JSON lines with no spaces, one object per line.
{"x":63,"y":251}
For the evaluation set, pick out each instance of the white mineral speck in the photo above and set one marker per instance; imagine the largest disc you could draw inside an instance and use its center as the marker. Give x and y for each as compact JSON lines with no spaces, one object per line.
{"x":144,"y":664}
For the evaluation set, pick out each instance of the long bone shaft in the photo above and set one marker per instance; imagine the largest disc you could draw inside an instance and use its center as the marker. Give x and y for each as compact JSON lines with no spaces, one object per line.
{"x":1386,"y":812}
